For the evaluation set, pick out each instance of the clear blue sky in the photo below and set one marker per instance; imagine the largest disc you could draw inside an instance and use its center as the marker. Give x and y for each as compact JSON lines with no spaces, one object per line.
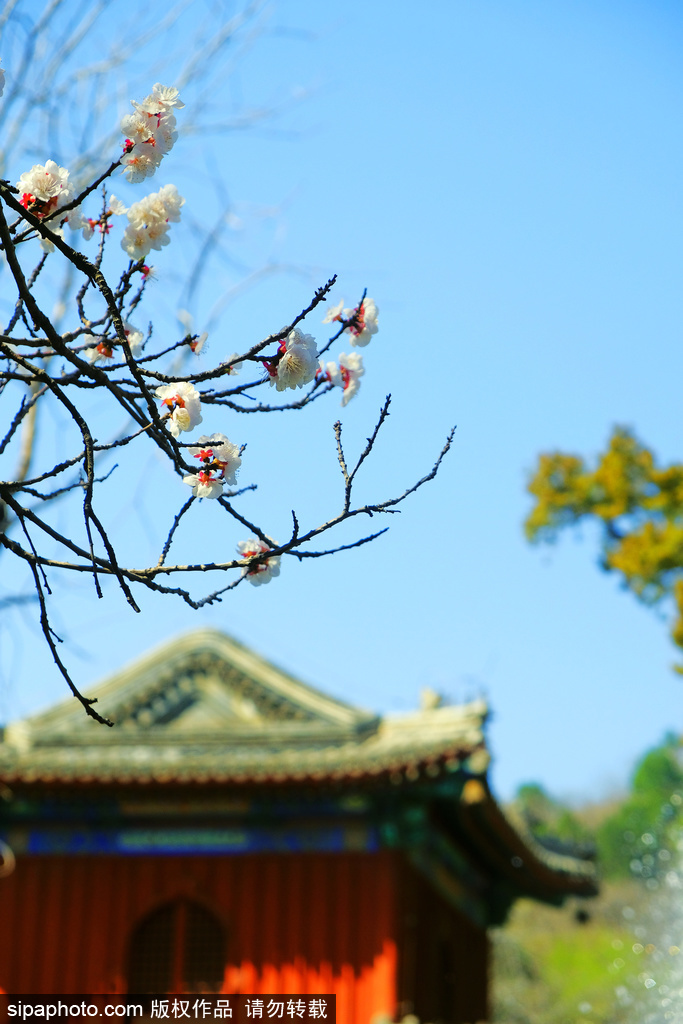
{"x":505,"y":178}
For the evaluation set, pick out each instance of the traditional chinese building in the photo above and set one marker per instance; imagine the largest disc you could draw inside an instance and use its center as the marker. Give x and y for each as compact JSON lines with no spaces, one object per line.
{"x":239,"y":831}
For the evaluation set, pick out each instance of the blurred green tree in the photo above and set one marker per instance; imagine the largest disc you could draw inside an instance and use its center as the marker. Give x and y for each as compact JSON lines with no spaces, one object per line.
{"x":640,"y":838}
{"x":547,"y":817}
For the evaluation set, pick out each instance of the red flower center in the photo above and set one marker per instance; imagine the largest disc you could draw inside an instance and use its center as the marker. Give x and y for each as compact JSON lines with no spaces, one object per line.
{"x":174,"y":402}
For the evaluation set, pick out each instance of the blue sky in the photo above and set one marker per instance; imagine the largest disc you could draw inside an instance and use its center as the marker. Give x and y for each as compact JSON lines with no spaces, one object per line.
{"x":505,"y":179}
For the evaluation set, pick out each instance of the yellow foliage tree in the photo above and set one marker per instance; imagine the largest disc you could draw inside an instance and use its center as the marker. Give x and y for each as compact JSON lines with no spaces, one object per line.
{"x":638,"y":503}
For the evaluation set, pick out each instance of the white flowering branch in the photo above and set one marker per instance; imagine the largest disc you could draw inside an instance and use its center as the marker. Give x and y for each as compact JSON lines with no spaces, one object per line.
{"x":104,"y":353}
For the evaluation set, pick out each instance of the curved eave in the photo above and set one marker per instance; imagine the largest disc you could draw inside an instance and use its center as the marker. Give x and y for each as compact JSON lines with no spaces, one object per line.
{"x":529,"y":868}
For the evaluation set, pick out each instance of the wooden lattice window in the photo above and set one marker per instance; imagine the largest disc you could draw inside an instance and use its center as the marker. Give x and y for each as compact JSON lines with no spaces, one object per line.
{"x":178,"y":948}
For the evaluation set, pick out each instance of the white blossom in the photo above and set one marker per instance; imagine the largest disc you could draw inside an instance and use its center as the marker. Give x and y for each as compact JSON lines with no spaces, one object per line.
{"x":140,"y":164}
{"x":148,"y":221}
{"x":102,"y":349}
{"x":184,"y":404}
{"x":298,"y":363}
{"x":333,"y":313}
{"x":144,"y":128}
{"x":204,"y":484}
{"x":233,"y":368}
{"x":88,"y":224}
{"x":261,"y":572}
{"x":196,"y":342}
{"x":45,"y":188}
{"x":134,"y":337}
{"x":365,"y":322}
{"x":150,"y":132}
{"x":199,"y":342}
{"x":346,"y":374}
{"x":96,"y":354}
{"x":46,"y":244}
{"x":218,"y":456}
{"x":165,"y":96}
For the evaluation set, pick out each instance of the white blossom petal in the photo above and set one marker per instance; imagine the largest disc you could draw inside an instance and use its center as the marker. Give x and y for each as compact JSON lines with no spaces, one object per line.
{"x":298,"y":363}
{"x":261,"y":572}
{"x":366,"y":322}
{"x":184,"y":403}
{"x":333,"y":313}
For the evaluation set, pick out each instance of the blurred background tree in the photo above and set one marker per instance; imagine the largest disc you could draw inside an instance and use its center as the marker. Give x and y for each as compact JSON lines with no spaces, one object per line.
{"x":591,"y":961}
{"x":547,"y":817}
{"x":638,"y":505}
{"x":640,"y":838}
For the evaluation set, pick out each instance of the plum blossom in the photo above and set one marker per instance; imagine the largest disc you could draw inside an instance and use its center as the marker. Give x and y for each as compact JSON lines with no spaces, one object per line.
{"x":298,"y":363}
{"x":150,"y":132}
{"x":195,"y":341}
{"x":99,"y":352}
{"x":116,"y":208}
{"x":166,"y":96}
{"x":184,"y":404}
{"x":149,"y":220}
{"x":2,"y":81}
{"x":219,"y":456}
{"x":346,"y":375}
{"x":365,"y":322}
{"x":199,"y":342}
{"x":186,"y":319}
{"x":204,"y":484}
{"x":334,"y":313}
{"x":104,"y":349}
{"x":45,"y":188}
{"x":134,"y":337}
{"x":46,"y":244}
{"x":232,"y":368}
{"x":261,"y":572}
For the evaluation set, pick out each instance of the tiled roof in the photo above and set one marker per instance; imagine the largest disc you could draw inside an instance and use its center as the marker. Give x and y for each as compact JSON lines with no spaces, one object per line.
{"x":205,"y":708}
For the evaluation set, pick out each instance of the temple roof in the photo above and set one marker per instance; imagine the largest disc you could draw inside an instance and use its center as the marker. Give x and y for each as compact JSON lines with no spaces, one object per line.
{"x":205,"y":708}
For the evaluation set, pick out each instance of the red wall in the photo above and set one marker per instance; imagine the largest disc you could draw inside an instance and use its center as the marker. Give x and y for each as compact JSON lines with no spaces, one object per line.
{"x":307,"y":923}
{"x":443,"y":962}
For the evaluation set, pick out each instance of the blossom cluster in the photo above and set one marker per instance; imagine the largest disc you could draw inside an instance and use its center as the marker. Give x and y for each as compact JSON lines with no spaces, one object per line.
{"x":360,"y":323}
{"x":45,"y":190}
{"x":294,"y":364}
{"x":104,"y":348}
{"x":148,"y":221}
{"x":220,"y":460}
{"x":150,"y":132}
